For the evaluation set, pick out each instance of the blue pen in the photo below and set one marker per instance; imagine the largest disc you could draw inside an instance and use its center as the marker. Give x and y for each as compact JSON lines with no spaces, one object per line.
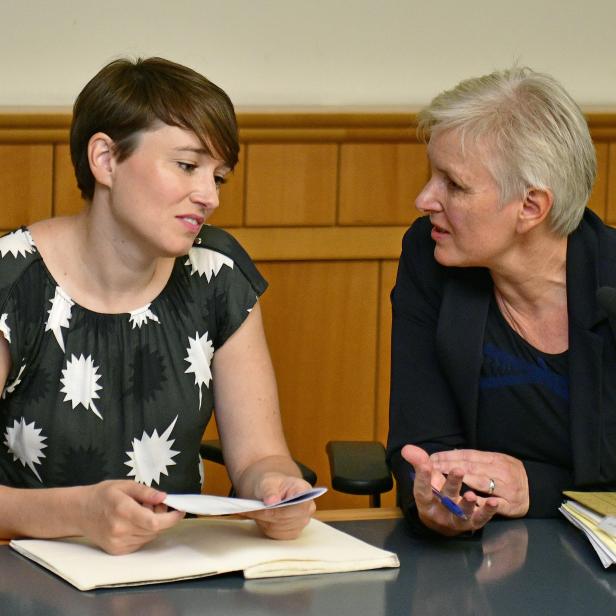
{"x":446,"y":501}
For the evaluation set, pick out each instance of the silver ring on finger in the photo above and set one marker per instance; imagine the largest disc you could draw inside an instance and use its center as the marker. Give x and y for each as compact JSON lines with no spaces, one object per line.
{"x":491,"y":487}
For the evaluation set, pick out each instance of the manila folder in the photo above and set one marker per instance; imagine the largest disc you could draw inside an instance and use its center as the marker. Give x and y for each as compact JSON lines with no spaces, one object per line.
{"x":603,"y":503}
{"x":203,"y":547}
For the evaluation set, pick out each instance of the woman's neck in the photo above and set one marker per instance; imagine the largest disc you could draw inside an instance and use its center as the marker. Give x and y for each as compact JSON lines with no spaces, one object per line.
{"x":531,"y":292}
{"x":534,"y":274}
{"x":99,"y":267}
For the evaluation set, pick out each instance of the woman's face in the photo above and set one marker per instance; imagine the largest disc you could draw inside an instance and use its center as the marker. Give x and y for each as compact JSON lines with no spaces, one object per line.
{"x":165,"y":190}
{"x":470,"y":226}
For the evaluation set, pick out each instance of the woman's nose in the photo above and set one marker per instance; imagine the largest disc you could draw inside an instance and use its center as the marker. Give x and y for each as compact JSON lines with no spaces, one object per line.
{"x":428,"y":199}
{"x":206,"y":194}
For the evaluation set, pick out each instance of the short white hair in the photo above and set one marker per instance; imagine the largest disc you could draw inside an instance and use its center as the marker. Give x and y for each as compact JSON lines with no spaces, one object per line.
{"x":536,"y":135}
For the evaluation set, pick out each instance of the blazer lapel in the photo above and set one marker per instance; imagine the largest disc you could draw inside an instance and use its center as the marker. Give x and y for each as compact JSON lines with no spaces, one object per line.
{"x":585,"y":352}
{"x":459,"y":339}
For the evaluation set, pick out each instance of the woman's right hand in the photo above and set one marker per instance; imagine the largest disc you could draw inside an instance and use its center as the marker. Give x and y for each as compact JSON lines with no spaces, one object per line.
{"x":431,"y":511}
{"x":120,"y":516}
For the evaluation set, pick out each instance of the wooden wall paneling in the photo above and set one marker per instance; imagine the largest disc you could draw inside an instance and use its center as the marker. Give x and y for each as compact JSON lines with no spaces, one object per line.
{"x":611,"y":185}
{"x":321,"y":323}
{"x":25,"y":184}
{"x":316,"y":243}
{"x":598,"y":198}
{"x":230,"y":212}
{"x":66,"y":196}
{"x":387,"y":280}
{"x":380,"y":181}
{"x":291,"y":184}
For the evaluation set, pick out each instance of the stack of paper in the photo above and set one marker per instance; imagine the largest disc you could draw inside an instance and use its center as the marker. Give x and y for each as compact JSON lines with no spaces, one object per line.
{"x":595,"y":514}
{"x":202,"y":547}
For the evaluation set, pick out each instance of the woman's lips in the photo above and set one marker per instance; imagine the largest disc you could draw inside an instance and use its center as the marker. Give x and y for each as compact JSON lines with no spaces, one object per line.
{"x":438,"y":232}
{"x":191,"y":222}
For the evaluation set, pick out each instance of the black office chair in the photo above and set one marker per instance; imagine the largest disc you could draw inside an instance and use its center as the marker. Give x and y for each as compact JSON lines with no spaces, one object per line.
{"x":211,"y":450}
{"x":359,"y":467}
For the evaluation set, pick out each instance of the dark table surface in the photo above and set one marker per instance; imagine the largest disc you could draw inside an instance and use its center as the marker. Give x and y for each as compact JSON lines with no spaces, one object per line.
{"x":517,"y":567}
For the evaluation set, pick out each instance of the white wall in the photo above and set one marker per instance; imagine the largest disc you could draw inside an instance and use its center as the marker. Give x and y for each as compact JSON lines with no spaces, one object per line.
{"x":309,"y":52}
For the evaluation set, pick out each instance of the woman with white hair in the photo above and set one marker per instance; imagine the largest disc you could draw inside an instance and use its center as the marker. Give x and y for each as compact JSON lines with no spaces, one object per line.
{"x":503,"y":391}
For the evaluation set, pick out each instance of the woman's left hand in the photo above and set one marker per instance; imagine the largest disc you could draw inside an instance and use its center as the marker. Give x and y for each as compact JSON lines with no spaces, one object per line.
{"x":490,"y":473}
{"x":284,"y":522}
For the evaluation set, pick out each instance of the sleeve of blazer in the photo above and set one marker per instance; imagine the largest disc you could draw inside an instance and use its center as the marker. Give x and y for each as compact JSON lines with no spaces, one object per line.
{"x":423,"y":410}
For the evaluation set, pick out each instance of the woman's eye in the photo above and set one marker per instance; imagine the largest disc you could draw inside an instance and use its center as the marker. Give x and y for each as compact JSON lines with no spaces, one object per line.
{"x":188,"y":167}
{"x":220,"y":180}
{"x":453,"y":185}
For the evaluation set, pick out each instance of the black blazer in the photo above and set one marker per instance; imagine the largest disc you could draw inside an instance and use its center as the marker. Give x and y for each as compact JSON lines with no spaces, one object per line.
{"x":439,"y":316}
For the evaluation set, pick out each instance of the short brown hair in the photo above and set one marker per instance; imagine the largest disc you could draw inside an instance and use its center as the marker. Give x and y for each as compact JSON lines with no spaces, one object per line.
{"x":126,"y":97}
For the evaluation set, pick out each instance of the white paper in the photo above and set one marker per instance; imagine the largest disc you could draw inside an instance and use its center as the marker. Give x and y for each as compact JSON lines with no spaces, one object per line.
{"x":589,"y":527}
{"x":606,"y":560}
{"x":205,"y":504}
{"x":608,"y":524}
{"x":585,"y":511}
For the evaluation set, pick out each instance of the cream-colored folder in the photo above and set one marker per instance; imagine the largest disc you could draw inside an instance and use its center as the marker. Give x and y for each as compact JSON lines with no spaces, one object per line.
{"x":601,"y":502}
{"x":203,"y":547}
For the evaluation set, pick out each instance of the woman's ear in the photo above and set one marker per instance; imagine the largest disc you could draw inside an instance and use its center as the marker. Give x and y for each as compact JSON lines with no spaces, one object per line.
{"x":101,"y":158}
{"x":536,"y":207}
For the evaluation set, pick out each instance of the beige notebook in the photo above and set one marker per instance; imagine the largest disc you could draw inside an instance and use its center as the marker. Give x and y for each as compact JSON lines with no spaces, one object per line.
{"x":203,"y":547}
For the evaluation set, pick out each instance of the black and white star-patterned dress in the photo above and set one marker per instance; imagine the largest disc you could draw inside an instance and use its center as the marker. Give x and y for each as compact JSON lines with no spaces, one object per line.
{"x":95,"y":396}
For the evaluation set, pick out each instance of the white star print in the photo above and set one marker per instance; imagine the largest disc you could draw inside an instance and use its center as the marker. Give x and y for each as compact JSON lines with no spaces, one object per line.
{"x":204,"y":261}
{"x":151,"y":455}
{"x":59,"y":315}
{"x":200,"y":352}
{"x":140,"y":316}
{"x":19,"y":242}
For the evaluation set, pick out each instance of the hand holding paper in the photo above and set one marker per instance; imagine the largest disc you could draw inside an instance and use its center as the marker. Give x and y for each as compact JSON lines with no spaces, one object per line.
{"x":205,"y":504}
{"x":281,"y":522}
{"x":120,"y":516}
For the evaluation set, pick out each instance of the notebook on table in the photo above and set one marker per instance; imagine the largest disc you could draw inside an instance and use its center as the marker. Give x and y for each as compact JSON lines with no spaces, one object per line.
{"x":203,"y":547}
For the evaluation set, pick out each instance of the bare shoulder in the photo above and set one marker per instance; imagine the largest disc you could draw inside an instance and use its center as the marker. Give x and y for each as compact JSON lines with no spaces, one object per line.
{"x":49,"y":231}
{"x":54,"y":238}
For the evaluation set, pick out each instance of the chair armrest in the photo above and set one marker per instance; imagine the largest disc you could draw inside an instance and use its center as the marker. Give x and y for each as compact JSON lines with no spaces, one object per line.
{"x":212,"y":450}
{"x":307,"y":473}
{"x":358,"y":467}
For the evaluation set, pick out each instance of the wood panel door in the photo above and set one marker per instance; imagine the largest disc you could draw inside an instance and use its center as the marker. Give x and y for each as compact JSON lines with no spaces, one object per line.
{"x":321,"y":324}
{"x":387,"y":281}
{"x":380,"y":181}
{"x":291,"y":184}
{"x":25,"y":184}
